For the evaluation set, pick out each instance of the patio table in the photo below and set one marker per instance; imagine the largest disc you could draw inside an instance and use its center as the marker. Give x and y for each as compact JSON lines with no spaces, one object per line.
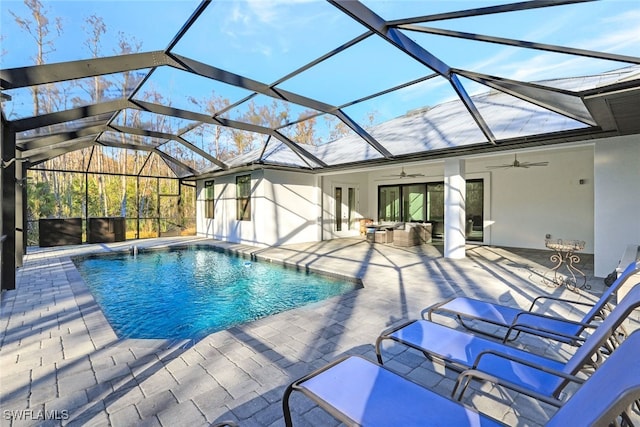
{"x":566,"y":259}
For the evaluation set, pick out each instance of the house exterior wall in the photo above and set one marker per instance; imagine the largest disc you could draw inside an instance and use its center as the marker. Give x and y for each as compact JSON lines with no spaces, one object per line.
{"x":284,"y":209}
{"x":617,"y":200}
{"x":289,"y":208}
{"x":224,"y":225}
{"x":527,"y":204}
{"x":588,"y":192}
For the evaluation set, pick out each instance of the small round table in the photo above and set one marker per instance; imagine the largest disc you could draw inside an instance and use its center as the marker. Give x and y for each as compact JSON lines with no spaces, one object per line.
{"x":565,"y":257}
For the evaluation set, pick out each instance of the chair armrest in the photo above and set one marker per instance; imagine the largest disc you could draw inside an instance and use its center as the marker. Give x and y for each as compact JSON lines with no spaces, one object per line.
{"x":479,"y":372}
{"x":557,"y":299}
{"x":485,"y":355}
{"x":526,"y":322}
{"x":465,"y":378}
{"x":385,"y":334}
{"x":429,"y":310}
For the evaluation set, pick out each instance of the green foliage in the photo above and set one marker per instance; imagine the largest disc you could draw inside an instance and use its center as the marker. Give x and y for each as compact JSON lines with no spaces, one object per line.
{"x":152,"y":205}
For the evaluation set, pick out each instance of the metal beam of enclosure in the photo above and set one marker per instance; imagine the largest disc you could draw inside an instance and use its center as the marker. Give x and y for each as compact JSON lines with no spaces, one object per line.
{"x":363,"y":134}
{"x":211,"y":72}
{"x":50,"y":140}
{"x":489,"y":10}
{"x":72,"y":114}
{"x":523,"y":44}
{"x":14,"y":78}
{"x":375,"y":23}
{"x":168,"y":136}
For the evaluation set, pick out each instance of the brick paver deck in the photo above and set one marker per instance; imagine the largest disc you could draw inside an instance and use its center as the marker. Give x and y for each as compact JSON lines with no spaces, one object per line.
{"x":62,"y":364}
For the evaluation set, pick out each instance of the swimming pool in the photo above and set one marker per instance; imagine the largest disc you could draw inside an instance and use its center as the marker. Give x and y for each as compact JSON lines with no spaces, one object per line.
{"x":190,"y":293}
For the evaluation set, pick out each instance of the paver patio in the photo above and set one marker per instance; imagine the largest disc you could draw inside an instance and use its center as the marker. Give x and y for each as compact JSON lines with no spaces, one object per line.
{"x":62,"y":364}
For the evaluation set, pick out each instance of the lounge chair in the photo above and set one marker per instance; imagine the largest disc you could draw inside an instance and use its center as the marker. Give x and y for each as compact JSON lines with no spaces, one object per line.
{"x":517,"y":320}
{"x":359,"y":392}
{"x":511,"y":367}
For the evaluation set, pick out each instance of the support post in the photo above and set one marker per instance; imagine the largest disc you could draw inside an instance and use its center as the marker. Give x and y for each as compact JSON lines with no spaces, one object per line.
{"x":8,"y":203}
{"x":21,"y":212}
{"x":454,"y":209}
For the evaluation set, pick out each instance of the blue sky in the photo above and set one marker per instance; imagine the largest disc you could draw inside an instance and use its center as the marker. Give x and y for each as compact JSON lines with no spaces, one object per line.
{"x":265,"y":40}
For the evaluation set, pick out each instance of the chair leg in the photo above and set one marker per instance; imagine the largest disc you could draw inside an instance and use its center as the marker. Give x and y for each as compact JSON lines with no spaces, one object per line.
{"x":462,"y":383}
{"x":378,"y":348}
{"x":285,"y":406}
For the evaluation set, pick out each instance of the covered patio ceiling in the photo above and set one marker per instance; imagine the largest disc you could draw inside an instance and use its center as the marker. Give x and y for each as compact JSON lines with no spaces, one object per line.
{"x":357,"y":67}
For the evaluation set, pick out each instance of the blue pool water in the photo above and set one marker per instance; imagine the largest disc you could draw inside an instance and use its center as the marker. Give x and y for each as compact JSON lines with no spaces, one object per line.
{"x":188,"y":294}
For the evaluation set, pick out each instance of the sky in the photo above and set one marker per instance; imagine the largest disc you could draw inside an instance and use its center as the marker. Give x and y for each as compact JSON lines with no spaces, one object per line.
{"x":266,"y":40}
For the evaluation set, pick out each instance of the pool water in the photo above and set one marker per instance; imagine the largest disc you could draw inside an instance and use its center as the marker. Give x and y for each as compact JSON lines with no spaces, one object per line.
{"x":188,"y":294}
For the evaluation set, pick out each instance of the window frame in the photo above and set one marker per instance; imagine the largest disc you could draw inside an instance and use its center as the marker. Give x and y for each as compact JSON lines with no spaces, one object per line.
{"x":209,"y":199}
{"x":243,"y":197}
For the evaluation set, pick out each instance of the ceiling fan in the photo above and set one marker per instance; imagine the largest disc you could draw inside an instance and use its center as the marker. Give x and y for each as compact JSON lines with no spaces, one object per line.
{"x":518,"y":164}
{"x":403,"y":174}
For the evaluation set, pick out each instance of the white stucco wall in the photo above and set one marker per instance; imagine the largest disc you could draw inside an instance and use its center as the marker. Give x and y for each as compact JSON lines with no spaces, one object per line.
{"x":617,"y":200}
{"x":288,"y":208}
{"x":527,"y":204}
{"x":224,"y":225}
{"x":284,"y":209}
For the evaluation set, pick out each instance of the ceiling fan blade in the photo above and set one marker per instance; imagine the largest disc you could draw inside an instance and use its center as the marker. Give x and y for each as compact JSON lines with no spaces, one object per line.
{"x":413,"y":175}
{"x":518,"y":164}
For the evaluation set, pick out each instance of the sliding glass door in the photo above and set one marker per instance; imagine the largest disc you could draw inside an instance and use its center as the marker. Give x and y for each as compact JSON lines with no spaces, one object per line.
{"x":425,"y":202}
{"x":389,"y":203}
{"x":414,"y":202}
{"x":435,"y":208}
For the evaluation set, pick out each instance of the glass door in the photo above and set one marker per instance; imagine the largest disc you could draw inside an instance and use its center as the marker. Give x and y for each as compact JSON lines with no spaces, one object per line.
{"x":414,"y":202}
{"x":345,"y":202}
{"x":474,"y":207}
{"x":389,"y":203}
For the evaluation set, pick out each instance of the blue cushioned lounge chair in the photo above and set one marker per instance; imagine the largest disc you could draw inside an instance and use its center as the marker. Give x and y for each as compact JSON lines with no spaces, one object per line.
{"x":516,"y":320}
{"x":511,"y":367}
{"x":359,"y":392}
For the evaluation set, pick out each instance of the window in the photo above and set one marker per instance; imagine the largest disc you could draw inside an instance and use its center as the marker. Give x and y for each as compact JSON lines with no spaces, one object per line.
{"x":402,"y":203}
{"x":389,"y":203}
{"x":475,"y":209}
{"x":344,"y":197}
{"x":338,"y":198}
{"x":243,"y":198}
{"x":425,"y":202}
{"x":209,"y":203}
{"x":413,"y":202}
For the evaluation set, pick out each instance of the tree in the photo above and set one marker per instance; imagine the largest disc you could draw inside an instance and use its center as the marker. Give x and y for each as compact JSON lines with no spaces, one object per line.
{"x":38,"y":27}
{"x":337,"y":127}
{"x":95,"y":28}
{"x":126,"y":85}
{"x":304,"y":131}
